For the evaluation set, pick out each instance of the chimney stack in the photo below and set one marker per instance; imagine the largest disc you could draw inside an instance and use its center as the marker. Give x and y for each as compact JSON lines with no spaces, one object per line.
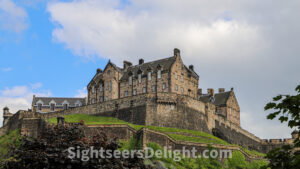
{"x":191,"y":67}
{"x":295,"y":134}
{"x":141,"y":61}
{"x":126,"y":64}
{"x":99,"y":70}
{"x":221,"y":90}
{"x":199,"y":92}
{"x":176,"y":52}
{"x":210,"y":91}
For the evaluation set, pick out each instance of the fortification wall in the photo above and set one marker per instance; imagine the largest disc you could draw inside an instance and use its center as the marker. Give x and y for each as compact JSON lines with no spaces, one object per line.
{"x":177,"y":111}
{"x":236,"y":135}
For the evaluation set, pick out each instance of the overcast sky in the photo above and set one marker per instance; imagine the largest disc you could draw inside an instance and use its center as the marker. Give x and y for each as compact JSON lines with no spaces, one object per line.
{"x":251,"y":45}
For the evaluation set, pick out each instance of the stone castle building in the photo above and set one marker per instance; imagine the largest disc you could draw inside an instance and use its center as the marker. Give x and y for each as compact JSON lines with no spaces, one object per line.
{"x":162,"y":93}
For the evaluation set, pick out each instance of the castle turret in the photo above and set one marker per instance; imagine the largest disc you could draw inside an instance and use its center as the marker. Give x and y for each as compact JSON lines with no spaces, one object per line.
{"x":6,"y":115}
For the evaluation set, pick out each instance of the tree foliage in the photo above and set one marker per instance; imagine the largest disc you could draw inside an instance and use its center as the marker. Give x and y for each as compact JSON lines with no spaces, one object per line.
{"x":287,"y":109}
{"x":49,"y":151}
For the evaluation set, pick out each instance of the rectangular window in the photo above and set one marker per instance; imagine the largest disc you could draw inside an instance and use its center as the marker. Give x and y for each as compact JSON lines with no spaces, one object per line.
{"x":181,"y":77}
{"x":40,"y":106}
{"x":176,"y":87}
{"x":176,"y":75}
{"x":52,"y":107}
{"x":93,"y":101}
{"x":230,"y":111}
{"x":65,"y":106}
{"x":109,"y":88}
{"x":126,"y":93}
{"x":101,"y":88}
{"x":164,"y":86}
{"x":153,"y":88}
{"x":149,"y":76}
{"x":134,"y":92}
{"x":106,"y":98}
{"x":144,"y":90}
{"x":140,"y":78}
{"x":159,"y":74}
{"x":130,"y":80}
{"x":93,"y":89}
{"x":182,"y":90}
{"x":101,"y":98}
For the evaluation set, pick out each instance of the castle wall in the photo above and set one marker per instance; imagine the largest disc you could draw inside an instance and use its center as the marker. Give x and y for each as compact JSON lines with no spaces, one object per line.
{"x":235,"y":135}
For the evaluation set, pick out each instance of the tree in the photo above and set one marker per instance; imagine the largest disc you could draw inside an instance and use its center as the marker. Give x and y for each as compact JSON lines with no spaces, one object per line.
{"x":49,"y":151}
{"x":287,"y":109}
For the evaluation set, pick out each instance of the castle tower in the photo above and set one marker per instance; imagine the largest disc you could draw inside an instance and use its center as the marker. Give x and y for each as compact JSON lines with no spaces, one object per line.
{"x":6,"y":115}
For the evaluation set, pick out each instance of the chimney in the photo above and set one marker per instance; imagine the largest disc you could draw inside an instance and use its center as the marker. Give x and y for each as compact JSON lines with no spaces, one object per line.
{"x":221,"y":90}
{"x":295,"y":134}
{"x":231,"y":89}
{"x":5,"y":111}
{"x":141,"y":61}
{"x":191,"y":67}
{"x":99,"y":70}
{"x":176,"y":52}
{"x":210,"y":91}
{"x":126,"y":64}
{"x":199,"y":92}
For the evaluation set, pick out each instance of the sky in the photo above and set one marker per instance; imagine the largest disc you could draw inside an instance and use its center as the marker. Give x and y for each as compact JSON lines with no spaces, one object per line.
{"x":53,"y":48}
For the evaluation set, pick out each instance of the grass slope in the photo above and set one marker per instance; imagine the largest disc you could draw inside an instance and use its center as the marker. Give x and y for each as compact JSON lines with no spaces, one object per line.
{"x":12,"y":138}
{"x":175,"y":133}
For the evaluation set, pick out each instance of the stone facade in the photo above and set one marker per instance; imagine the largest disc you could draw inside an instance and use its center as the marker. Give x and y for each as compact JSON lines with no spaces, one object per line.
{"x":165,"y":75}
{"x":52,"y":104}
{"x":159,"y":93}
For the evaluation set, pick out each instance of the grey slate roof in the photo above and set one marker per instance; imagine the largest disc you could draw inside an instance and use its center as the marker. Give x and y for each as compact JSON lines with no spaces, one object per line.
{"x":59,"y":100}
{"x":165,"y":65}
{"x":219,"y":98}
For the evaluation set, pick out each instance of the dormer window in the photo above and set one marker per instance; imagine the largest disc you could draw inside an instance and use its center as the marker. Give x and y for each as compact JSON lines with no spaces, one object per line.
{"x":65,"y":106}
{"x":52,"y":107}
{"x":149,"y":76}
{"x":39,"y":106}
{"x":159,"y":74}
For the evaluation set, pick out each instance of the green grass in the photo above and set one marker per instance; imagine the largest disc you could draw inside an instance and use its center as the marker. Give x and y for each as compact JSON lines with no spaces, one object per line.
{"x":175,"y":133}
{"x":12,"y":138}
{"x":194,"y":136}
{"x":253,"y":152}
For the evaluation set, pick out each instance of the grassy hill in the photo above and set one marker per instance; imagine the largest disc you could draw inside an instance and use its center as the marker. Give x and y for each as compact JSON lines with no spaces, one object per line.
{"x":175,"y":133}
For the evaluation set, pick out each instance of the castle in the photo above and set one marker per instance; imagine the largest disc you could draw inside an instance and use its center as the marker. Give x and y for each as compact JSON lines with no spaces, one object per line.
{"x":163,"y":93}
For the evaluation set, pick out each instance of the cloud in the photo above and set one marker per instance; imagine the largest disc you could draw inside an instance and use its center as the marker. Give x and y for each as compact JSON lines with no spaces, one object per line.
{"x":250,"y":44}
{"x":12,"y":17}
{"x":6,"y":69}
{"x":81,"y":93}
{"x":19,"y":98}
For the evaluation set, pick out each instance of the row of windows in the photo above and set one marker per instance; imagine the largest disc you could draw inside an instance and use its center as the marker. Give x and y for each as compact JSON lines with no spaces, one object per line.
{"x":52,"y":106}
{"x":140,"y":77}
{"x":144,"y":90}
{"x":181,"y":77}
{"x":181,"y":89}
{"x":108,"y":87}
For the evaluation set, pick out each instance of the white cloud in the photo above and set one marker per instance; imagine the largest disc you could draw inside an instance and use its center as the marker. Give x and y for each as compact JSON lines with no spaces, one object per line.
{"x":250,"y":44}
{"x":19,"y":98}
{"x":6,"y":69}
{"x":81,"y":93}
{"x":12,"y":17}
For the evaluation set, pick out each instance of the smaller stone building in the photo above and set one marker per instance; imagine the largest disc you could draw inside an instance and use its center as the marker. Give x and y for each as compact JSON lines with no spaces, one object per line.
{"x":225,"y":102}
{"x":52,"y":104}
